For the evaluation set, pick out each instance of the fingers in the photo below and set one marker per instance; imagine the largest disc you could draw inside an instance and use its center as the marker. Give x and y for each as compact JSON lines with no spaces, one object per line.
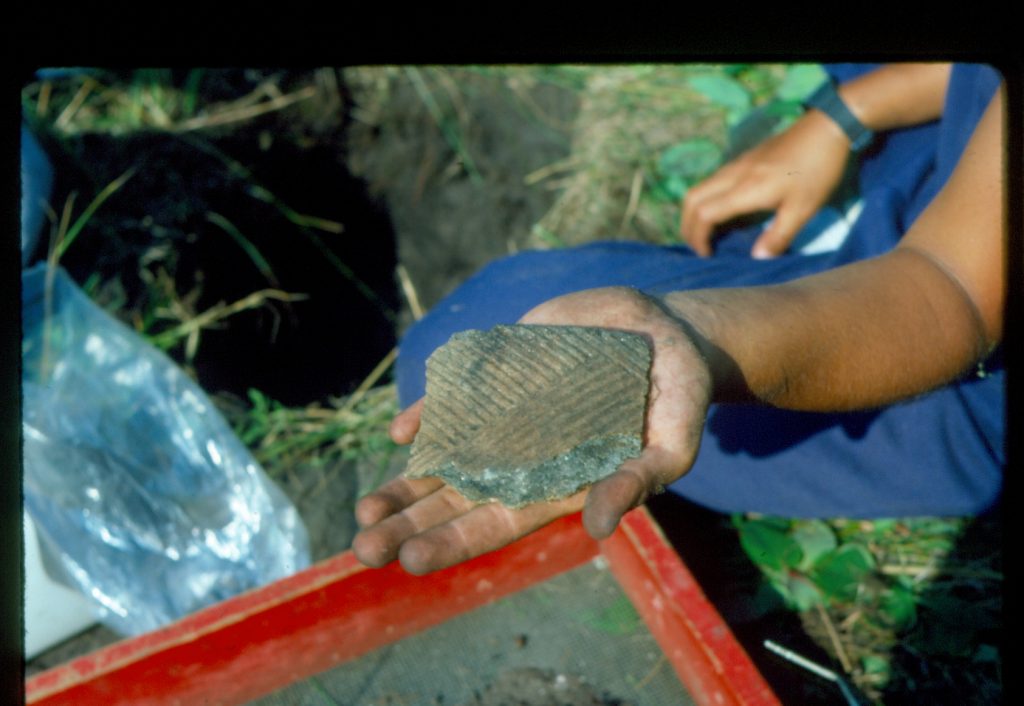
{"x":777,"y":237}
{"x":444,"y":528}
{"x":428,"y":526}
{"x":610,"y":499}
{"x":725,"y":200}
{"x":800,"y":167}
{"x":393,"y":497}
{"x":696,"y":223}
{"x":627,"y":488}
{"x":398,"y":511}
{"x":405,"y":424}
{"x":483,"y":529}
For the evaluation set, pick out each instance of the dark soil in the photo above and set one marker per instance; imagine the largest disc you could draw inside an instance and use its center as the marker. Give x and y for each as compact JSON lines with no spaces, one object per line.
{"x":450,"y":219}
{"x":169,"y":217}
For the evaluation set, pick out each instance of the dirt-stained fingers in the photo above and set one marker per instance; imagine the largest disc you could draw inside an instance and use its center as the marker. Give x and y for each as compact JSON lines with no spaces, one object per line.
{"x":393,"y":497}
{"x":634,"y":481}
{"x":482,"y":529}
{"x":399,"y":510}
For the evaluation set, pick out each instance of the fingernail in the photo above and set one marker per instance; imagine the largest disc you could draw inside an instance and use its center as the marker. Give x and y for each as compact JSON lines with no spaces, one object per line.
{"x":761,"y":253}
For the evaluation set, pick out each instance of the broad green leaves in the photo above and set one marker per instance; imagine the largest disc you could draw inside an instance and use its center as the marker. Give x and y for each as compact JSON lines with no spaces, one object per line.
{"x":840,"y":571}
{"x":815,"y":539}
{"x":807,"y":564}
{"x":767,"y":541}
{"x":804,"y":561}
{"x":686,"y":163}
{"x":800,"y":81}
{"x":723,"y":91}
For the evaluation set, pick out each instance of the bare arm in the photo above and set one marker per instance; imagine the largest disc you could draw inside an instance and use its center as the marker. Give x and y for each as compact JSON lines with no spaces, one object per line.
{"x":863,"y":335}
{"x":897,"y":95}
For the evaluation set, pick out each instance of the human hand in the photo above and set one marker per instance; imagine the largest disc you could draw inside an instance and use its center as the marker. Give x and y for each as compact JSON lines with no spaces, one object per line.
{"x":428,"y":525}
{"x":792,"y":173}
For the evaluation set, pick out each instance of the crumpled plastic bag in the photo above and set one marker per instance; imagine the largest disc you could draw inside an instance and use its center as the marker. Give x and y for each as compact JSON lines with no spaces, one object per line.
{"x":144,"y":498}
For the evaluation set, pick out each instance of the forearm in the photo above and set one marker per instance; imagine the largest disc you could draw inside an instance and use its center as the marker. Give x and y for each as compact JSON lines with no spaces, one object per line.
{"x":860,"y":336}
{"x":897,"y":95}
{"x":879,"y":330}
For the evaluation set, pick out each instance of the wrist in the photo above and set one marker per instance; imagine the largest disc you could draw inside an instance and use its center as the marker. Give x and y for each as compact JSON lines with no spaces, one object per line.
{"x":829,"y":101}
{"x":698,"y":320}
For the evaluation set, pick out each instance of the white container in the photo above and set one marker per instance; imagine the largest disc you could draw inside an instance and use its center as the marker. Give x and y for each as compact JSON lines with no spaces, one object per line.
{"x":53,"y":612}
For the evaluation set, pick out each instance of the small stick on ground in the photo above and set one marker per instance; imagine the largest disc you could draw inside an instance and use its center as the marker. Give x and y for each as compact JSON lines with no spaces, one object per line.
{"x":833,"y":636}
{"x":650,"y":675}
{"x":64,"y":120}
{"x":370,"y":380}
{"x":247,"y":113}
{"x":634,"y":199}
{"x":410,"y":293}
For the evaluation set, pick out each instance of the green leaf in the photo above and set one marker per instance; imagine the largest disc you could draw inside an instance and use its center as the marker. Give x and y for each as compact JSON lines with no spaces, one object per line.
{"x":839,"y":571}
{"x":686,"y":163}
{"x":899,"y":608}
{"x":245,"y":244}
{"x":801,"y":593}
{"x":768,"y":598}
{"x":986,"y":653}
{"x":64,"y":240}
{"x":725,"y":92}
{"x":873,"y":664}
{"x":737,"y":69}
{"x":674,"y":187}
{"x":768,"y":545}
{"x":721,"y":90}
{"x":690,"y":160}
{"x":815,"y":539}
{"x":800,"y":80}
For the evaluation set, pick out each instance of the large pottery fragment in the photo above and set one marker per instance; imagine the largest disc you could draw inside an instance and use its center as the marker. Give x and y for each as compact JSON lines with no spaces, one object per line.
{"x":526,"y":413}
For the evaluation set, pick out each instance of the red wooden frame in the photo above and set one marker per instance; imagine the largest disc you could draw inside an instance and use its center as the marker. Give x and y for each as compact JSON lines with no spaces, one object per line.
{"x":261,"y":641}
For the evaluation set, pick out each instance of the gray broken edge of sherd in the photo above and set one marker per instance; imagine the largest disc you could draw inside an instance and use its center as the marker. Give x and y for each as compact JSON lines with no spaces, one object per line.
{"x":558,"y":477}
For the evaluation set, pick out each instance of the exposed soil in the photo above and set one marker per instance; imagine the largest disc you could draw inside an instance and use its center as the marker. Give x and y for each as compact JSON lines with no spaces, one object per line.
{"x":453,"y":209}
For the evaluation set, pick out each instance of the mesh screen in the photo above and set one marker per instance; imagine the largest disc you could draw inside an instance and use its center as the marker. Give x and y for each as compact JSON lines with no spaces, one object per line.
{"x":572,"y":640}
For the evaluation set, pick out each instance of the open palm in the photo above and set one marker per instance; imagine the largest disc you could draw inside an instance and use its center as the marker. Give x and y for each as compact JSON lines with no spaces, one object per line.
{"x":428,"y":525}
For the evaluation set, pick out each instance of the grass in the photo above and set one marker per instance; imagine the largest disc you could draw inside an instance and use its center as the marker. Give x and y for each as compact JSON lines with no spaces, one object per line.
{"x":352,"y":428}
{"x":876,"y":595}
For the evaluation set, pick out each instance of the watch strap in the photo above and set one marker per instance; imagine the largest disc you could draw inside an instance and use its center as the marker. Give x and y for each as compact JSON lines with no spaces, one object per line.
{"x":826,"y":99}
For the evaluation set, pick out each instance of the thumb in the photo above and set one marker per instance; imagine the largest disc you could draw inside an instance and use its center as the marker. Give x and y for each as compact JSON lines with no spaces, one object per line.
{"x":612,"y":497}
{"x":405,"y":425}
{"x":775,"y":239}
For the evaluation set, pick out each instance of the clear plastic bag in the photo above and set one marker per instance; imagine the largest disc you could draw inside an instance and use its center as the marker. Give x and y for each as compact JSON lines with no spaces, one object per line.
{"x":143,"y":497}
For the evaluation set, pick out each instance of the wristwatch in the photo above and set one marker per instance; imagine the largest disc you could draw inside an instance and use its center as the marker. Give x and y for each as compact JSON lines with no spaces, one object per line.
{"x":827,"y":100}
